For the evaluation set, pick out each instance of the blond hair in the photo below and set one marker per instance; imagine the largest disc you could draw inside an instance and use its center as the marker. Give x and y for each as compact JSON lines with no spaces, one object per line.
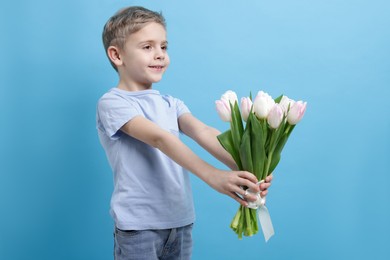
{"x":125,"y":22}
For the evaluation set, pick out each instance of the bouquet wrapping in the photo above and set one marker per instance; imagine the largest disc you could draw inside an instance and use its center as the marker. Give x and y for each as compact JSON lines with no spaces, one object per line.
{"x":256,"y":146}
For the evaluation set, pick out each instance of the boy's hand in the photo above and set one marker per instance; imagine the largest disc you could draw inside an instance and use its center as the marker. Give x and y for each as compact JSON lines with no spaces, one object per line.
{"x":265,"y":185}
{"x":231,"y":183}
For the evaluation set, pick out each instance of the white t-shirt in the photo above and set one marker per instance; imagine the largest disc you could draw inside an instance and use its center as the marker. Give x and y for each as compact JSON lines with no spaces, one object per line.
{"x":151,"y":191}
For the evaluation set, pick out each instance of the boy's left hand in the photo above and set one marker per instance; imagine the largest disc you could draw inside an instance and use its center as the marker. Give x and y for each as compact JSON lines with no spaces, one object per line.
{"x":265,"y":185}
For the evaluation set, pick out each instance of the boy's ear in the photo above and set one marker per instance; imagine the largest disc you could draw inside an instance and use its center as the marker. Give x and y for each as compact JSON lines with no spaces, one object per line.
{"x":114,"y":55}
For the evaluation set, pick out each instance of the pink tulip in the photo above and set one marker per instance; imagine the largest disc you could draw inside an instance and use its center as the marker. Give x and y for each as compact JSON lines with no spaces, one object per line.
{"x":223,"y":105}
{"x":262,"y":104}
{"x":246,"y":106}
{"x":223,"y":110}
{"x":296,"y":112}
{"x":286,"y":104}
{"x":275,"y":116}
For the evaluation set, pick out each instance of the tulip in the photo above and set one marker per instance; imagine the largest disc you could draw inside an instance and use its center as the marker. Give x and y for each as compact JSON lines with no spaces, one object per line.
{"x":296,"y":112}
{"x":246,"y":107}
{"x":256,"y":146}
{"x":262,"y":104}
{"x":223,"y":110}
{"x":286,"y":104}
{"x":223,"y":105}
{"x":275,"y":116}
{"x":230,"y":96}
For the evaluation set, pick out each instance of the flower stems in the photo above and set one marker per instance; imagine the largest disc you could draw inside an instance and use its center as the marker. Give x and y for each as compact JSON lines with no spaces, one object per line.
{"x":245,"y":222}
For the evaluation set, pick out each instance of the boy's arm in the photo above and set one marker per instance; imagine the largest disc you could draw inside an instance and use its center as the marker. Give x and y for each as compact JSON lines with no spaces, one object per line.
{"x":226,"y":182}
{"x":206,"y":137}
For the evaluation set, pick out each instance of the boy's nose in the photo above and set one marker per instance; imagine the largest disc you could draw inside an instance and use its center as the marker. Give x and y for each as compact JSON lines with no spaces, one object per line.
{"x":160,"y":55}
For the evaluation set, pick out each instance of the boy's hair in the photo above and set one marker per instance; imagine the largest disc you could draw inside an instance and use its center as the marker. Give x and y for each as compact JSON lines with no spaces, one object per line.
{"x":125,"y":22}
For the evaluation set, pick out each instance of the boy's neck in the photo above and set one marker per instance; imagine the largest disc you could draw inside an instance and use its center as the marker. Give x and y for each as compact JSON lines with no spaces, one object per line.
{"x":132,"y":86}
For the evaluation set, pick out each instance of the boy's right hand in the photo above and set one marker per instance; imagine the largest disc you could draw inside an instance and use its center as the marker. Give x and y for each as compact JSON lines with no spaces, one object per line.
{"x":231,"y":183}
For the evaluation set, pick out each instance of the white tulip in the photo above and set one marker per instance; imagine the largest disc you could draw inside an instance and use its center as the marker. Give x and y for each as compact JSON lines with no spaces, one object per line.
{"x":262,"y":104}
{"x":230,"y":97}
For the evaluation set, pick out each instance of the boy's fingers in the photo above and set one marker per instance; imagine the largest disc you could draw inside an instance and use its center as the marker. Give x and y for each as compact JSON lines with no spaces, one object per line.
{"x":264,"y":186}
{"x":244,"y":195}
{"x":248,"y":176}
{"x":238,"y":199}
{"x":249,"y":197}
{"x":248,"y":179}
{"x":246,"y":183}
{"x":269,"y":178}
{"x":267,"y":183}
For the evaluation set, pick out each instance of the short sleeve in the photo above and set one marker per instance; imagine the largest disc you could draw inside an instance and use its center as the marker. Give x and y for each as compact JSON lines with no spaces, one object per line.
{"x":113,"y":112}
{"x":181,"y":108}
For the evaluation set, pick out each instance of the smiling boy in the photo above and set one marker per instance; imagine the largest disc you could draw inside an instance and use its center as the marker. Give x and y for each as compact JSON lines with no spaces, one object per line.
{"x":139,"y":128}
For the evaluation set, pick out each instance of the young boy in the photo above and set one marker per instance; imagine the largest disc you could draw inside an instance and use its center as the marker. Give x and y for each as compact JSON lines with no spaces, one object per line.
{"x":139,"y":129}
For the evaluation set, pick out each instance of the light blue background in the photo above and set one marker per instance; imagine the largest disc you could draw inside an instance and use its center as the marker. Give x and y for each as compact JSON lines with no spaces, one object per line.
{"x":329,"y":198}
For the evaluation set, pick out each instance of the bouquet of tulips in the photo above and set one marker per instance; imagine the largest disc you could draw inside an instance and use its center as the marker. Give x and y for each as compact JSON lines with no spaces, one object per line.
{"x":257,"y":146}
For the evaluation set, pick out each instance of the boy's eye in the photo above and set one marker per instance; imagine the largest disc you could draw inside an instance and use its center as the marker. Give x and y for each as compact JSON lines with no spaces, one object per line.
{"x":147,"y":47}
{"x":164,"y":47}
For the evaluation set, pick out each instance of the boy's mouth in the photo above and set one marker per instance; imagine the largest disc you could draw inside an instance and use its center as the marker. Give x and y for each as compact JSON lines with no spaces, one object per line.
{"x":157,"y":67}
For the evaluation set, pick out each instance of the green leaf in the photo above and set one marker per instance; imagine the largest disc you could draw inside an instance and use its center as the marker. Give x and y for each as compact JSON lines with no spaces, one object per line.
{"x":277,"y":100}
{"x":257,"y":146}
{"x":274,"y":162}
{"x":267,"y":132}
{"x":289,"y":129}
{"x":277,"y":154}
{"x":272,"y":157}
{"x":284,"y":133}
{"x":245,"y":149}
{"x":226,"y":140}
{"x":236,"y":125}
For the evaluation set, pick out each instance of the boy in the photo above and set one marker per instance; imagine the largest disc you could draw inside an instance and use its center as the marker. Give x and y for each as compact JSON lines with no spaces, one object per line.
{"x":139,"y":129}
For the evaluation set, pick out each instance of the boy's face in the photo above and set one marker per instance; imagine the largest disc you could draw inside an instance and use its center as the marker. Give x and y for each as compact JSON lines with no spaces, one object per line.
{"x":144,"y":57}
